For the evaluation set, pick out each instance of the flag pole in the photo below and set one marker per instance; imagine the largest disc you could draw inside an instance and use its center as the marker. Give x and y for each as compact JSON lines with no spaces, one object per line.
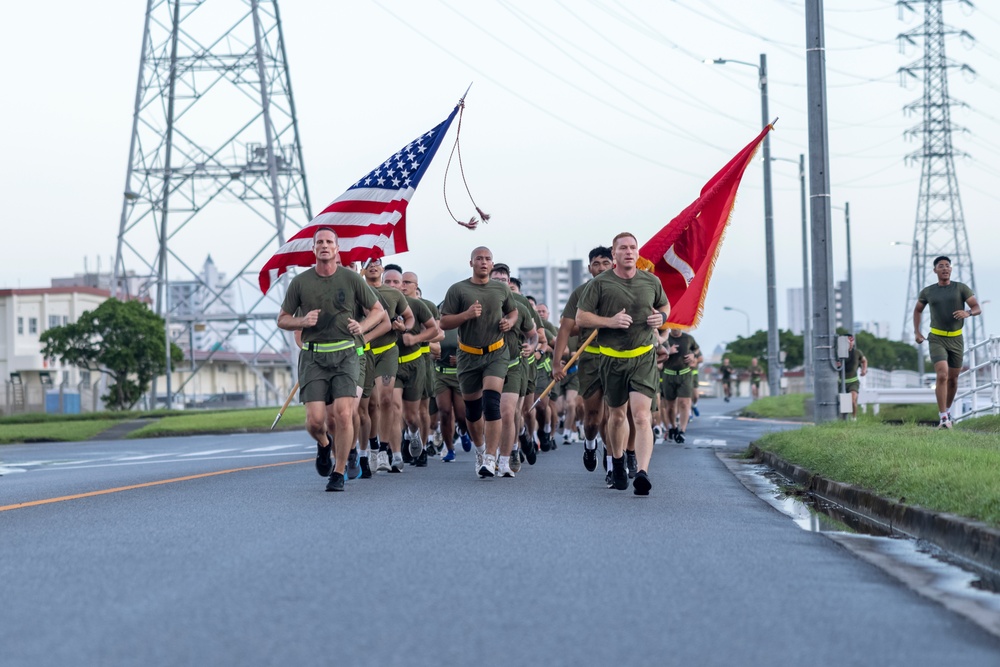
{"x":572,"y":360}
{"x":285,"y":406}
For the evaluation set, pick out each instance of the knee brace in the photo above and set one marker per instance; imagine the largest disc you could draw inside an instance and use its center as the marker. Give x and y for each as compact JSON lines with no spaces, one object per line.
{"x":474,"y":410}
{"x":491,"y":405}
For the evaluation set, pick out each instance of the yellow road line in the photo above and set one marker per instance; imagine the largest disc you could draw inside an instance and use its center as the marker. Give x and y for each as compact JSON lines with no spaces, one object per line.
{"x":46,"y":501}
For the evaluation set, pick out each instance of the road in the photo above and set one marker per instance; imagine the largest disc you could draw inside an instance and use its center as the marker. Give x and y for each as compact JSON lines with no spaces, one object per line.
{"x":259,"y":566}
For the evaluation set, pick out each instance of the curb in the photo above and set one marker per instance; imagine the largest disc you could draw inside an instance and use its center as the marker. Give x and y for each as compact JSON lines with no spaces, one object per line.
{"x":973,"y":542}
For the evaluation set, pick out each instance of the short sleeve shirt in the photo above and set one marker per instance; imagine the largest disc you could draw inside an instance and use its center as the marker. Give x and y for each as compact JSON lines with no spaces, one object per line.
{"x":395,"y":304}
{"x":852,"y":362}
{"x":340,"y":297}
{"x":607,"y":294}
{"x":569,"y":310}
{"x":944,"y":300}
{"x":727,"y":372}
{"x":421,"y":313}
{"x":496,"y":299}
{"x":686,"y":345}
{"x":514,"y":338}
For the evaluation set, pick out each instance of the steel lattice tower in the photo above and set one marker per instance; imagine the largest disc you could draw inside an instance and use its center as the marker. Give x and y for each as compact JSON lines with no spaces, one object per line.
{"x":940,"y":223}
{"x":215,"y":169}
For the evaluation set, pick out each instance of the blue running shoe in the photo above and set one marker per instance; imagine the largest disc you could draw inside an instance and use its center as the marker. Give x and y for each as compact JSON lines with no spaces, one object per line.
{"x":694,"y":409}
{"x":450,"y":456}
{"x":466,"y":442}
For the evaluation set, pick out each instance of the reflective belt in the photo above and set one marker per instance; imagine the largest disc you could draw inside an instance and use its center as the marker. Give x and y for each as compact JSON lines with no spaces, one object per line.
{"x":852,"y":379}
{"x":514,"y":363}
{"x":667,"y":371}
{"x":481,"y":350}
{"x":425,"y":348}
{"x":948,"y":334}
{"x":625,"y":354}
{"x":593,"y":349}
{"x":367,"y":347}
{"x":384,"y":348}
{"x":329,"y":347}
{"x":410,"y":357}
{"x":446,"y":370}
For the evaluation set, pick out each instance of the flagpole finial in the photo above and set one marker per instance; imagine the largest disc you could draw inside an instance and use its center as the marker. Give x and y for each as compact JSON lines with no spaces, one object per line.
{"x":461,"y":100}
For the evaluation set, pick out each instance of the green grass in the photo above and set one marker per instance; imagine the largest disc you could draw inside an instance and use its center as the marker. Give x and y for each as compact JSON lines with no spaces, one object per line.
{"x":47,"y":418}
{"x":986,"y":424}
{"x":948,"y":471}
{"x":790,"y":406}
{"x":53,"y":431}
{"x":222,"y":421}
{"x":908,"y":413}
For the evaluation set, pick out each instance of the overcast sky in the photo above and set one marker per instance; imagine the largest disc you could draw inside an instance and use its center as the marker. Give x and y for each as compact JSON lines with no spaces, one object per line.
{"x":585,"y":119}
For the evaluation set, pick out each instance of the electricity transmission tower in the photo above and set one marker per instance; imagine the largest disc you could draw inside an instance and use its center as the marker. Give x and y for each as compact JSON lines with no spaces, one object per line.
{"x":215,"y":167}
{"x":940,"y":223}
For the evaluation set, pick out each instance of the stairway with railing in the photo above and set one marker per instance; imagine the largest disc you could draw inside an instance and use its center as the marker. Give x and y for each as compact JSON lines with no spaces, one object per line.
{"x":979,"y":385}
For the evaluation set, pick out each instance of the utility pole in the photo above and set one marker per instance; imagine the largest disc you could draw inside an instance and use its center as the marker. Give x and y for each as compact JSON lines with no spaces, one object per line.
{"x":825,"y":381}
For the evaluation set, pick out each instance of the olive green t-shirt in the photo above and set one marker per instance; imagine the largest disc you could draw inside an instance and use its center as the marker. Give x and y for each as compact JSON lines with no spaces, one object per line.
{"x":569,"y":310}
{"x":496,"y":299}
{"x":727,"y":372}
{"x":944,"y":300}
{"x":607,"y":294}
{"x":852,"y":362}
{"x":514,"y":338}
{"x":340,"y":297}
{"x":395,"y":304}
{"x":686,"y":345}
{"x":449,"y":348}
{"x":421,"y":313}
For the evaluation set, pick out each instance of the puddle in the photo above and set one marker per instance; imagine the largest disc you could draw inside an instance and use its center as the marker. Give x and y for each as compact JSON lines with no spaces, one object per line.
{"x":922,"y":566}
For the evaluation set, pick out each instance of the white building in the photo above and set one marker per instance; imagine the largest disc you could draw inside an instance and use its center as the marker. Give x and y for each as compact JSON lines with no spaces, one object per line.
{"x":552,"y":285}
{"x":796,"y":311}
{"x":192,"y":299}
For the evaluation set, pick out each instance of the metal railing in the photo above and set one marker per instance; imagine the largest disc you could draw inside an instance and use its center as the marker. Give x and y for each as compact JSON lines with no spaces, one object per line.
{"x":979,"y":386}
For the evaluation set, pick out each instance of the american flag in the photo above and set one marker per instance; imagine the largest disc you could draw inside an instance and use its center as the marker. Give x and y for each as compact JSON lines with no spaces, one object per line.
{"x":370,"y":218}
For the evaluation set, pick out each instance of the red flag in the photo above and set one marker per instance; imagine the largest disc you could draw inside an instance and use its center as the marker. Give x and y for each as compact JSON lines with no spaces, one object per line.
{"x":682,"y":254}
{"x":370,"y":218}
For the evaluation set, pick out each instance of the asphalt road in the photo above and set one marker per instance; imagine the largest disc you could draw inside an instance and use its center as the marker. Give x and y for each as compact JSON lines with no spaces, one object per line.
{"x":260,"y":566}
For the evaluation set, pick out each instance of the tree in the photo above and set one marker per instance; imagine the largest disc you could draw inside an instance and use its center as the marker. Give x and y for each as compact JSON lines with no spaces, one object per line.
{"x":743,"y":349}
{"x":123,"y":339}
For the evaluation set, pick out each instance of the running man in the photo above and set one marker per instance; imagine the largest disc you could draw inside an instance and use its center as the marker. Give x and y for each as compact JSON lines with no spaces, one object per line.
{"x":947,"y":300}
{"x":855,"y":367}
{"x":627,"y":306}
{"x":726,"y":371}
{"x":680,"y":351}
{"x":483,"y":311}
{"x":756,"y":373}
{"x":338,"y":306}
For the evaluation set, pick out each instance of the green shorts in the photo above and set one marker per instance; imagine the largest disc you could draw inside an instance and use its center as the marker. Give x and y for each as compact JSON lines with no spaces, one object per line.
{"x":386,"y":363}
{"x":410,"y":377}
{"x":514,"y":382}
{"x":589,"y":374}
{"x":325,"y":376}
{"x":472,"y":368}
{"x":445,"y":379}
{"x":677,"y":386}
{"x":851,"y":385}
{"x":366,"y":379}
{"x":947,"y":348}
{"x":572,"y":380}
{"x":530,"y":375}
{"x":622,"y":376}
{"x":429,"y":378}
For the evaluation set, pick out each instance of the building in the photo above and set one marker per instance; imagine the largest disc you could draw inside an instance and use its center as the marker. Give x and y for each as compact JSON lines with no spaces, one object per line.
{"x":190,"y":301}
{"x":552,"y":285}
{"x":796,"y":311}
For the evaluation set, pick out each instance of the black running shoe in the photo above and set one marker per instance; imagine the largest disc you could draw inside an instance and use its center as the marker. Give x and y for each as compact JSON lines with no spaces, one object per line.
{"x":407,"y":457}
{"x":618,"y":474}
{"x":324,"y":460}
{"x":641,"y":484}
{"x":366,"y":470}
{"x":630,"y":464}
{"x":609,"y":480}
{"x":672,"y":433}
{"x":336,"y":482}
{"x":604,"y":457}
{"x":422,"y":459}
{"x":679,"y":436}
{"x":543,"y":441}
{"x":590,"y":459}
{"x":530,"y":455}
{"x":552,"y":443}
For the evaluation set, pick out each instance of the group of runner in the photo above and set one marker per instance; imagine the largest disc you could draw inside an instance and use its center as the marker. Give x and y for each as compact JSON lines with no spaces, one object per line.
{"x":389,"y":378}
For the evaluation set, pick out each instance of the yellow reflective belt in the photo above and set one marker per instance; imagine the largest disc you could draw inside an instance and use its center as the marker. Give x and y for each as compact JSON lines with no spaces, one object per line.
{"x":625,"y":354}
{"x":593,"y":349}
{"x":384,"y":348}
{"x":513,"y":363}
{"x":667,"y":371}
{"x":409,"y":357}
{"x":329,"y":347}
{"x":367,"y":347}
{"x":446,"y":370}
{"x":425,"y":348}
{"x":948,"y":334}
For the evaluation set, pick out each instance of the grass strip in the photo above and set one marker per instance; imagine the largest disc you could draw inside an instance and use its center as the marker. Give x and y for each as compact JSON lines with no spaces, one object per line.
{"x":223,"y":421}
{"x":787,"y":406}
{"x":64,"y":431}
{"x":948,"y":471}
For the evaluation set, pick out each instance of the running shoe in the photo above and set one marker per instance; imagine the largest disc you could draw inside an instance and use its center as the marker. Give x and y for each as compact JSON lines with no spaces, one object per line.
{"x":618,"y":474}
{"x":696,"y":411}
{"x":397,"y":462}
{"x":353,"y":469}
{"x":449,"y":457}
{"x":590,"y":458}
{"x":679,"y":437}
{"x":609,"y":480}
{"x":466,"y":442}
{"x":515,"y":461}
{"x":630,"y":464}
{"x":324,"y":460}
{"x":416,"y":447}
{"x":336,"y":482}
{"x":422,"y":459}
{"x":504,"y":469}
{"x":431,"y":447}
{"x":489,"y":466}
{"x":382,"y":461}
{"x":945,"y":423}
{"x":366,"y":471}
{"x":530,"y":453}
{"x":641,"y":484}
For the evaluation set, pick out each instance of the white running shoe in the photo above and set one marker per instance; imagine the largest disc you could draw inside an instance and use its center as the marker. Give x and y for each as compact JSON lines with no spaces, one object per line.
{"x":397,"y":462}
{"x":489,"y":467}
{"x":383,"y":462}
{"x":503,"y":469}
{"x":479,"y":462}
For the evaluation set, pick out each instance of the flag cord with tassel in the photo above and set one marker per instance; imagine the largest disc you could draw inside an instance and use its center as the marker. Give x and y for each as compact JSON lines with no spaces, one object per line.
{"x":456,"y":148}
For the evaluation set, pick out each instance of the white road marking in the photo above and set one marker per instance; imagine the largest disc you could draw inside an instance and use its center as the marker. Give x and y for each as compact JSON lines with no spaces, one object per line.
{"x":272,"y":448}
{"x":143,"y":457}
{"x":709,"y":442}
{"x":6,"y":471}
{"x":208,"y":452}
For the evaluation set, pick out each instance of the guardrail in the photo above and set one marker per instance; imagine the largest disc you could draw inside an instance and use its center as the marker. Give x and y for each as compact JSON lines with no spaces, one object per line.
{"x":980,"y":384}
{"x":891,"y":395}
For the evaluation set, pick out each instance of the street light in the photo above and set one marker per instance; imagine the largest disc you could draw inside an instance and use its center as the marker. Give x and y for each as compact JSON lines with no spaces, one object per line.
{"x":773,"y":370}
{"x":745,"y":314}
{"x":807,"y":339}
